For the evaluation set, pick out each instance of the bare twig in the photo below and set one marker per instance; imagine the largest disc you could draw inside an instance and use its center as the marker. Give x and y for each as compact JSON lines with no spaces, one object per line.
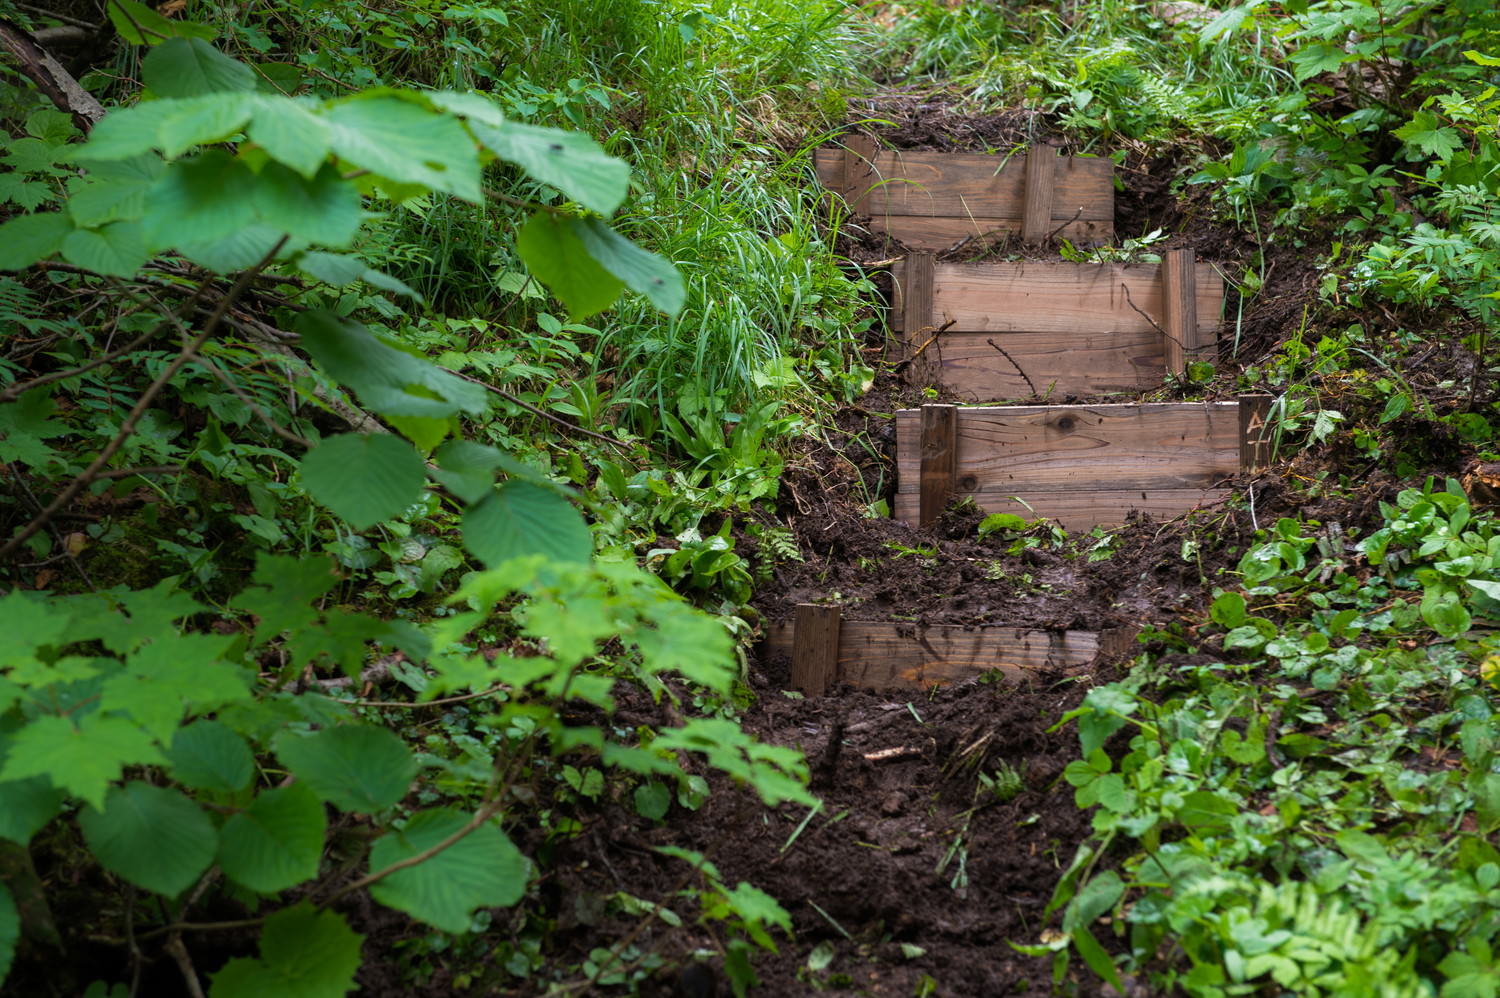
{"x":49,"y":76}
{"x":184,"y":963}
{"x":184,"y":356}
{"x":1019,"y":369}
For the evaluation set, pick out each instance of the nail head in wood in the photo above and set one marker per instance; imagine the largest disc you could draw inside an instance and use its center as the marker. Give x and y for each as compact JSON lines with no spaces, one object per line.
{"x":815,"y":648}
{"x":939,"y":449}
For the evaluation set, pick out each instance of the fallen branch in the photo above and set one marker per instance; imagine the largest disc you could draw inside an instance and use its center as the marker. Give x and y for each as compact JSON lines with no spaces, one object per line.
{"x":49,"y":76}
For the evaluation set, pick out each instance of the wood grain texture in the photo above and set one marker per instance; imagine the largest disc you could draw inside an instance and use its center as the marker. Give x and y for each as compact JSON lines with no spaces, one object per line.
{"x":1058,"y":297}
{"x":938,"y":443}
{"x":1058,"y":364}
{"x":1083,"y":465}
{"x":914,"y":276}
{"x":884,"y":654}
{"x":815,"y":648}
{"x":1041,"y":177}
{"x":938,"y":234}
{"x":1256,"y":432}
{"x":1180,"y":310}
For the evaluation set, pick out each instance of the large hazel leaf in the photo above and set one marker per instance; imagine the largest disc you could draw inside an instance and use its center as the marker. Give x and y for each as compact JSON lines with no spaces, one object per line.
{"x":555,"y":256}
{"x":202,"y":120}
{"x":191,"y":67}
{"x":81,"y":760}
{"x":138,"y":24}
{"x":290,"y":134}
{"x":153,"y":837}
{"x":406,"y":142}
{"x":323,"y":210}
{"x":355,"y":767}
{"x":276,"y":842}
{"x":25,"y":806}
{"x":641,"y":270}
{"x":116,"y":189}
{"x":28,"y":238}
{"x":206,"y":755}
{"x":390,"y":381}
{"x":304,"y":953}
{"x":572,"y":162}
{"x":482,"y":870}
{"x":118,"y":249}
{"x":364,"y":478}
{"x":200,"y":200}
{"x":520,"y":519}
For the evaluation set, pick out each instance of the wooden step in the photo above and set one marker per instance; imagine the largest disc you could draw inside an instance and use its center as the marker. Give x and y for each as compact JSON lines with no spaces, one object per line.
{"x":934,"y":200}
{"x":825,"y":650}
{"x":1084,"y":466}
{"x":1034,"y":329}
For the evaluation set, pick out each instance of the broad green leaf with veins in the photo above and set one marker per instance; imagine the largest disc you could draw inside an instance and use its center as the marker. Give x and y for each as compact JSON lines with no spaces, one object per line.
{"x":364,"y":478}
{"x":304,"y":953}
{"x":554,"y":254}
{"x":405,"y":142}
{"x":276,"y":842}
{"x":573,"y":163}
{"x":82,"y":760}
{"x":154,"y":837}
{"x":482,"y":870}
{"x":355,"y":767}
{"x":191,"y":67}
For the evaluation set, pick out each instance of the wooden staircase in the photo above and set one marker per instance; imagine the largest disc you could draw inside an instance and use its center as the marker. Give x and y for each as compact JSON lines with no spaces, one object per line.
{"x":1023,"y":333}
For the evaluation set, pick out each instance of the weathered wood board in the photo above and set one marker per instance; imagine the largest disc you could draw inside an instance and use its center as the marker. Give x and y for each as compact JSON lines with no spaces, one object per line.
{"x":883,"y":654}
{"x":1085,"y":466}
{"x":1020,"y":330}
{"x":932,"y":200}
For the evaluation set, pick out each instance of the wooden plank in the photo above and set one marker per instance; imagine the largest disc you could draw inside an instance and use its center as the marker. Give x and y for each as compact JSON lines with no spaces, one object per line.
{"x":964,"y":185}
{"x":914,"y":287}
{"x":938,"y":460}
{"x":882,"y":654}
{"x":973,"y":368}
{"x":1180,"y":309}
{"x":940,"y":234}
{"x":1163,"y":445}
{"x":1080,"y":510}
{"x":1059,"y":297}
{"x":1041,"y":175}
{"x":1256,"y":436}
{"x":858,"y":152}
{"x":815,"y":648}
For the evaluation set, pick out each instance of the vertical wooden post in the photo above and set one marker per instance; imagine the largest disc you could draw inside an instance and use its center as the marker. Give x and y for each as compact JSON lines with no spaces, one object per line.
{"x":917,"y":321}
{"x":1255,"y":432}
{"x":815,"y":648}
{"x":939,"y":449}
{"x":859,"y":165}
{"x":1041,"y":175}
{"x":1179,"y":298}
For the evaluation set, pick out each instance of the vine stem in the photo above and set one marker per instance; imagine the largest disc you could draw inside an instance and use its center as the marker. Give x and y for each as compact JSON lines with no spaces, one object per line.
{"x":183,"y":358}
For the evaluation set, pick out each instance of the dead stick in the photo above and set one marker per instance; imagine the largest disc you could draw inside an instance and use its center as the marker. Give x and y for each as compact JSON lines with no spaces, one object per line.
{"x":1013,"y":363}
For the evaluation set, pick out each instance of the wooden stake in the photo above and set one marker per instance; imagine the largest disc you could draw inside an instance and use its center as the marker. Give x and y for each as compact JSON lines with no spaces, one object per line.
{"x":815,"y":648}
{"x":939,"y":447}
{"x":1255,"y":432}
{"x":859,"y":158}
{"x":1041,"y":175}
{"x":1179,"y":295}
{"x":917,"y":328}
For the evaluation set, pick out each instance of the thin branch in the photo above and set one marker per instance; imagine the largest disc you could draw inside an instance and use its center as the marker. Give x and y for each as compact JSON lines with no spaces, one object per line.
{"x":570,"y":427}
{"x":139,"y":410}
{"x":1019,"y":369}
{"x":1154,"y":324}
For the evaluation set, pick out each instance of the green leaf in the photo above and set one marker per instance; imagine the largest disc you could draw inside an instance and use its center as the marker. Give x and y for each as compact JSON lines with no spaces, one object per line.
{"x":206,"y":755}
{"x":200,"y":200}
{"x":81,"y":760}
{"x":127,"y":132}
{"x":364,"y":478}
{"x":1227,"y":22}
{"x":117,"y":250}
{"x":240,"y":249}
{"x":28,"y":238}
{"x":26,"y":806}
{"x":1490,"y":589}
{"x":1229,"y":610}
{"x":153,"y":837}
{"x":403,"y":141}
{"x":483,"y":869}
{"x":522,"y":519}
{"x":140,"y":25}
{"x":1094,"y":899}
{"x":290,"y":134}
{"x":10,"y":930}
{"x":323,"y":210}
{"x":1097,"y":958}
{"x":641,"y":270}
{"x":116,"y":189}
{"x":652,"y":800}
{"x":1310,"y":60}
{"x":355,"y":767}
{"x":1425,"y":134}
{"x":304,"y":953}
{"x":573,"y":163}
{"x":202,"y":120}
{"x":556,"y":257}
{"x":191,"y":67}
{"x":276,"y":842}
{"x":390,"y":381}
